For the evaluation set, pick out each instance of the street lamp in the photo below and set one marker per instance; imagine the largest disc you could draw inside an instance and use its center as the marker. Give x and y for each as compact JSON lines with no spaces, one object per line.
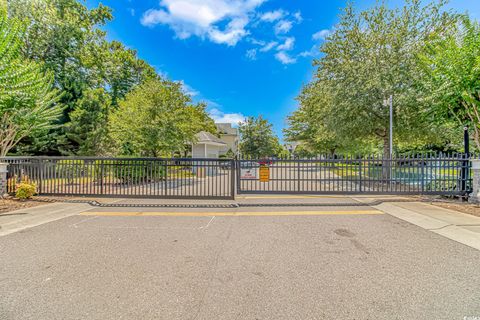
{"x":389,"y":103}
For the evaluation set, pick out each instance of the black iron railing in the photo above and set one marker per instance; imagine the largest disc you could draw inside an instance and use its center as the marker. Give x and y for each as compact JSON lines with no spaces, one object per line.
{"x":121,"y":177}
{"x":405,"y":174}
{"x":441,"y":174}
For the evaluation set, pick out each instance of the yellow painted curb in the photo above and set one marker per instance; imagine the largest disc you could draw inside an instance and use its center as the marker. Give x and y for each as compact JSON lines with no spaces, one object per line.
{"x":232,"y":214}
{"x":292,"y":197}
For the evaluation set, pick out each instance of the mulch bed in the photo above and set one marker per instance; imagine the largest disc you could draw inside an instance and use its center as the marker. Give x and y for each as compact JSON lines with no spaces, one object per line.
{"x":11,"y":204}
{"x":473,"y":209}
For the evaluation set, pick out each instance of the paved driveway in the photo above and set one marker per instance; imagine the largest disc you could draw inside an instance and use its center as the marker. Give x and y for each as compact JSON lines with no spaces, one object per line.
{"x":327,"y":263}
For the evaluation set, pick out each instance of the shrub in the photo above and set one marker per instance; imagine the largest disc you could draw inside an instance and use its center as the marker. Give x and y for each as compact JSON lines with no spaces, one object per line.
{"x":25,"y":189}
{"x":71,"y":169}
{"x":134,"y":172}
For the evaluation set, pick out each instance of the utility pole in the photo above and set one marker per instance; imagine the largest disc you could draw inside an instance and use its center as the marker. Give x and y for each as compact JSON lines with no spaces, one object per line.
{"x":391,"y":125}
{"x":389,"y":104}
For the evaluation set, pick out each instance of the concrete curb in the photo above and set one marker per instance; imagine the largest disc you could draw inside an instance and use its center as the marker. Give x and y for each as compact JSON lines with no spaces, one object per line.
{"x":449,"y":224}
{"x":31,"y":217}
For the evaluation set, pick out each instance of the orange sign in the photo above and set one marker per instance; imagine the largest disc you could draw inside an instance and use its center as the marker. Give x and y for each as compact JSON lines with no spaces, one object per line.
{"x":264,"y":173}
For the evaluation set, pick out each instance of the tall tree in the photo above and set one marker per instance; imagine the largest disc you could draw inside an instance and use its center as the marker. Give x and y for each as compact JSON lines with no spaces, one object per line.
{"x":27,"y":101}
{"x":309,"y":124}
{"x":452,"y":75}
{"x":56,"y":34}
{"x":257,"y":139}
{"x":115,"y":68}
{"x":66,"y":35}
{"x":369,"y":56}
{"x":89,"y":122}
{"x":156,"y":119}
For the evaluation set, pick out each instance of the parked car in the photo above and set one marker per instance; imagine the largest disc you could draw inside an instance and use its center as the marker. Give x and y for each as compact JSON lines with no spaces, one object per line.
{"x":249,"y":164}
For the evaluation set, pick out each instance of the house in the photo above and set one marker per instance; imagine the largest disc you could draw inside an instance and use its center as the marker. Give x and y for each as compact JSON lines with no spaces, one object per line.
{"x":229,"y":136}
{"x":207,"y":146}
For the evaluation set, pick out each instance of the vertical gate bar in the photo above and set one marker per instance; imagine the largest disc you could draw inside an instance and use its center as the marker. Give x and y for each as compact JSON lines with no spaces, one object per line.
{"x":239,"y":185}
{"x":211,"y":181}
{"x":82,"y":176}
{"x":232,"y":179}
{"x":218,"y":179}
{"x":88,"y":173}
{"x":130,"y":176}
{"x":165,"y":183}
{"x":298,"y":175}
{"x":423,"y":173}
{"x":40,"y":177}
{"x":360,"y":174}
{"x":421,"y":169}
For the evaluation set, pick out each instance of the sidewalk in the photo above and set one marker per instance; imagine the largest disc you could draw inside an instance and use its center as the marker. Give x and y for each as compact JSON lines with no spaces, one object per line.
{"x":31,"y":217}
{"x":457,"y":226}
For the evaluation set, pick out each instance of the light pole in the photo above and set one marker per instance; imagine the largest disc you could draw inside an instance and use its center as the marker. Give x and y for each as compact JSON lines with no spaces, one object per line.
{"x":391,"y":125}
{"x":389,"y":103}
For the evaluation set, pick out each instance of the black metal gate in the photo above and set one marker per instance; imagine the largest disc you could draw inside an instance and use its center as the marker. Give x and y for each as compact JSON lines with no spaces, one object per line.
{"x":223,"y":178}
{"x":125,"y":177}
{"x":407,"y":174}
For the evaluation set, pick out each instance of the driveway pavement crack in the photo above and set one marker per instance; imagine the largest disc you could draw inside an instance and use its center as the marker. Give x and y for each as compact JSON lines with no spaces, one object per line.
{"x":214,"y":271}
{"x":435,"y":229}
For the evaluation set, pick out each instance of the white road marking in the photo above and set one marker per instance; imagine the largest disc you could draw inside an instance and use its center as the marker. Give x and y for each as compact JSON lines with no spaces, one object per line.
{"x":75,"y":225}
{"x":208,"y":224}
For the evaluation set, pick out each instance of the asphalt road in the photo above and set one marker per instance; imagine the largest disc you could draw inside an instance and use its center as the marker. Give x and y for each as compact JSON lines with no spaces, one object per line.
{"x":221,"y":266}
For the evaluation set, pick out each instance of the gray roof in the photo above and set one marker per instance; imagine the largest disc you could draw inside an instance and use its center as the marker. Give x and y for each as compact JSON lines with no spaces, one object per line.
{"x":226,"y":128}
{"x":207,"y":137}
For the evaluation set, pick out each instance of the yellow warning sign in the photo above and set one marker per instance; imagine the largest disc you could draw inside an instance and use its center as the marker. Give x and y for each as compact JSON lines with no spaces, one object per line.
{"x":264,"y":173}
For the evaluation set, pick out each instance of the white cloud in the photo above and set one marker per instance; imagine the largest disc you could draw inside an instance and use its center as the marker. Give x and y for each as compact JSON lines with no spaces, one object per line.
{"x":298,"y":16}
{"x":284,"y":58}
{"x":322,"y":34}
{"x":283,"y":26}
{"x":269,"y":46}
{"x":232,"y":34}
{"x":287,"y":45}
{"x":189,"y":90}
{"x":251,"y":54}
{"x":257,"y":42}
{"x":272,"y":16}
{"x":220,"y":117}
{"x":313,"y":52}
{"x":201,"y":18}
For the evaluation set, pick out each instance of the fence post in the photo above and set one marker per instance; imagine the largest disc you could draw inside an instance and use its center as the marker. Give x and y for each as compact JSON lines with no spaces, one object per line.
{"x":3,"y":178}
{"x":40,"y":177}
{"x":475,"y":195}
{"x":102,"y":173}
{"x":232,"y":178}
{"x":360,"y":173}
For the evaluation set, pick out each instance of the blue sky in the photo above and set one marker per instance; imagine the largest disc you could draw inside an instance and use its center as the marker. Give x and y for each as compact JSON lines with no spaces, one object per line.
{"x":242,"y":57}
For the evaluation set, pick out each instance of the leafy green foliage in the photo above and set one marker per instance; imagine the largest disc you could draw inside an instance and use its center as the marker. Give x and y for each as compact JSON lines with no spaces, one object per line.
{"x":157,"y":119}
{"x":89,"y":122}
{"x":27,"y":102}
{"x":257,"y":139}
{"x":310,"y":123}
{"x":452,"y":75}
{"x":369,"y":56}
{"x":67,"y":37}
{"x":132,"y":172}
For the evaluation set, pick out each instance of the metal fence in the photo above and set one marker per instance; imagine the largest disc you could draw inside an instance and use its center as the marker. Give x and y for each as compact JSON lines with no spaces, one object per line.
{"x":121,"y":177}
{"x":440,"y":174}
